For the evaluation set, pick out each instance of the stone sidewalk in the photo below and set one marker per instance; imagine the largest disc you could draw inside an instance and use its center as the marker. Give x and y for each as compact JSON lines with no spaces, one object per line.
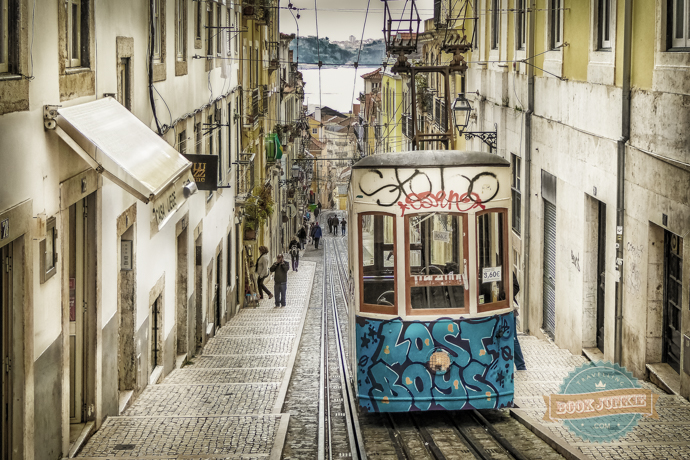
{"x":226,"y":402}
{"x":547,"y":366}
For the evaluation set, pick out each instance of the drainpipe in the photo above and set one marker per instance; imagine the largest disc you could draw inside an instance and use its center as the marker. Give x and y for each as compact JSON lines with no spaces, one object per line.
{"x":620,"y":182}
{"x":528,"y":173}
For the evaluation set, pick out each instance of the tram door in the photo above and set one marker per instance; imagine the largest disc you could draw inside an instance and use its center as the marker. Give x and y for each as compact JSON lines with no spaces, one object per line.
{"x":78,"y":215}
{"x":6,"y":329}
{"x":549,"y":282}
{"x":673,"y":291}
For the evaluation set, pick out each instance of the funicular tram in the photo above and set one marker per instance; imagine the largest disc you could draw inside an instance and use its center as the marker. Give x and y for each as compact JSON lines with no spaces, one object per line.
{"x":432,"y":324}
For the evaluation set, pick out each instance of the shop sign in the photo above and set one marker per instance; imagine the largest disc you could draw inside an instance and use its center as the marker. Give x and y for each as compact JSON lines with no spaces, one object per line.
{"x":205,"y":171}
{"x":167,"y":202}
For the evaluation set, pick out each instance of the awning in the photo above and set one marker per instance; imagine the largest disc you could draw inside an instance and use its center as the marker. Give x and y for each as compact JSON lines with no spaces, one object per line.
{"x":118,"y":145}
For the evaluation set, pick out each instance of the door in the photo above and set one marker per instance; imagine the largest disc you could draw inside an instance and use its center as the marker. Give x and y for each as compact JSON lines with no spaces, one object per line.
{"x":6,"y":329}
{"x":77,"y":309}
{"x":601,"y":274}
{"x":219,"y":284}
{"x":549,"y":282}
{"x":673,"y":291}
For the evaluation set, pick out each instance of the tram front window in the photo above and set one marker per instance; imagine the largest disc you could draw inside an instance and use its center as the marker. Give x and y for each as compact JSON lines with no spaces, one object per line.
{"x":377,"y":242}
{"x":490,"y":252}
{"x":436,"y":256}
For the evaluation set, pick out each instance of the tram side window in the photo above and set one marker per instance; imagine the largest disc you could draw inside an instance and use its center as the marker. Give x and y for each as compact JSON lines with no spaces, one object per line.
{"x":377,"y":240}
{"x":436,"y":261}
{"x":490,"y":254}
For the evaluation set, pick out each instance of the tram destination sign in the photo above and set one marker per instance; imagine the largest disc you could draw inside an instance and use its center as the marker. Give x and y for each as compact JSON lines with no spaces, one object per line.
{"x":205,"y":171}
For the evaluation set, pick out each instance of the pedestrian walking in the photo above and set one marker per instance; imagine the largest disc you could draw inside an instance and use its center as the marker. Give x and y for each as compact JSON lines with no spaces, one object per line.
{"x":302,"y":235}
{"x":518,"y":357}
{"x":330,"y":225}
{"x":317,"y":235}
{"x":280,"y":269}
{"x":343,"y":225}
{"x":311,"y":232}
{"x":294,"y":253}
{"x":262,"y":272}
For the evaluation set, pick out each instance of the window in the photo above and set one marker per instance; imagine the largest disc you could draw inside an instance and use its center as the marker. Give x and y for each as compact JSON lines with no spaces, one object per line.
{"x":437,"y":262}
{"x":124,"y":83}
{"x":182,"y":142}
{"x":555,"y":23}
{"x":197,"y":138}
{"x":227,"y":31}
{"x":218,"y":119}
{"x":521,"y":25}
{"x":679,"y":26}
{"x":517,"y":197}
{"x":180,"y":29}
{"x":314,"y":130}
{"x":218,"y":32}
{"x":495,"y":32}
{"x":197,"y":19}
{"x":604,"y":25}
{"x":209,"y":29}
{"x":157,"y":31}
{"x":491,"y":260}
{"x":377,"y":288}
{"x":48,"y":251}
{"x":237,"y":31}
{"x":74,"y":33}
{"x":229,"y":126}
{"x":4,"y":36}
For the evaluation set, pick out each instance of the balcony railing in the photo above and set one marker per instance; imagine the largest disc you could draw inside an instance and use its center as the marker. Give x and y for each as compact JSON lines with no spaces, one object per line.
{"x":256,"y":99}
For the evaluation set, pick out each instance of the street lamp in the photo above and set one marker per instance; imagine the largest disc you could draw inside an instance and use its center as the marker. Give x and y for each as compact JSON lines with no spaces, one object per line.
{"x":461,"y":118}
{"x":295,"y":171}
{"x":461,"y":113}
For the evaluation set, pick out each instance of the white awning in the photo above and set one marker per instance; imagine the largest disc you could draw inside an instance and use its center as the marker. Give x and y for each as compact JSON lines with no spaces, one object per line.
{"x":118,"y":145}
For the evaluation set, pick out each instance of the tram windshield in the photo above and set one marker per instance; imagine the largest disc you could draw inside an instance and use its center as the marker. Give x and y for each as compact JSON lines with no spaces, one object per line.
{"x":436,"y":256}
{"x":377,"y":241}
{"x":490,"y":239}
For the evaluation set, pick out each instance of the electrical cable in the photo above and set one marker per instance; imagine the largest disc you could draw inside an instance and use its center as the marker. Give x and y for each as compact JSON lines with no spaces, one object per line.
{"x":361,"y":41}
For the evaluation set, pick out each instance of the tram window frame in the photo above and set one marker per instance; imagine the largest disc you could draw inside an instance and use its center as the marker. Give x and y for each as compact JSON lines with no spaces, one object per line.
{"x":505,"y":272}
{"x":408,"y":276}
{"x":375,"y":308}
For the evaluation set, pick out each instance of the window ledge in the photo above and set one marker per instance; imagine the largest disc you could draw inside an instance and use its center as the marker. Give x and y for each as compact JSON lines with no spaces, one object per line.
{"x":9,"y":76}
{"x":71,"y":70}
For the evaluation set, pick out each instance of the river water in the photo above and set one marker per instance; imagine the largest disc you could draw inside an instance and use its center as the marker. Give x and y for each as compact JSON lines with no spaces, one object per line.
{"x":336,"y":86}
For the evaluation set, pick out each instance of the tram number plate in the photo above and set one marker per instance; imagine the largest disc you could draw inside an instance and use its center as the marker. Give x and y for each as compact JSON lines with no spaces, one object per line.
{"x":491,"y":274}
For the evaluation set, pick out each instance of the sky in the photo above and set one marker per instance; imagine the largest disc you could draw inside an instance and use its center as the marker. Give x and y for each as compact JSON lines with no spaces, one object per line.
{"x":338,"y":19}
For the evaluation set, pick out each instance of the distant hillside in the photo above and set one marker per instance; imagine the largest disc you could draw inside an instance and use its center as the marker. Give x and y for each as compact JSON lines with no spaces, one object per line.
{"x":373,"y":51}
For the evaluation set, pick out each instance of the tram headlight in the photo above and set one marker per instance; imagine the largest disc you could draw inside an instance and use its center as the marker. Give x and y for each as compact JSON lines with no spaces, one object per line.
{"x":439,"y":361}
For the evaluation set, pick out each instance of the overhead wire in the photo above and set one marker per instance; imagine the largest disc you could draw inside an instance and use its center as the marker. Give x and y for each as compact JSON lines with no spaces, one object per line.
{"x":361,"y":41}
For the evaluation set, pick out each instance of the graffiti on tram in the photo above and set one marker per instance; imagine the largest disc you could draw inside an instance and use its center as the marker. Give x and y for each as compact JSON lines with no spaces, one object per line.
{"x":414,"y":190}
{"x":438,"y":365}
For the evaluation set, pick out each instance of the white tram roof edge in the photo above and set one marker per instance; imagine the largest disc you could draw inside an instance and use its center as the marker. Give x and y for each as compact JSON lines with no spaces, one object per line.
{"x":431,"y":158}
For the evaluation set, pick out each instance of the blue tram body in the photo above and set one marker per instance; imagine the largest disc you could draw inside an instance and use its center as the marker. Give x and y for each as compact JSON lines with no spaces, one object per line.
{"x":432,"y":326}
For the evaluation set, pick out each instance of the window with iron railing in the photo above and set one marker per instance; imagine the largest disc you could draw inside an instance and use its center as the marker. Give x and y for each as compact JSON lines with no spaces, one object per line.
{"x":256,"y":96}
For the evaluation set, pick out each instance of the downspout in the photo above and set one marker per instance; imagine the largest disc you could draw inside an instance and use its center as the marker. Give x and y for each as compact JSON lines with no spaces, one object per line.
{"x":620,"y":181}
{"x":528,"y":173}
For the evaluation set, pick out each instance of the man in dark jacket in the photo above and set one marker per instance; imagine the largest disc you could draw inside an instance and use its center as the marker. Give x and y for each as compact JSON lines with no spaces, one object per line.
{"x":343,"y":224}
{"x":293,"y":249}
{"x":302,"y":235}
{"x":280,"y":268}
{"x":317,"y":235}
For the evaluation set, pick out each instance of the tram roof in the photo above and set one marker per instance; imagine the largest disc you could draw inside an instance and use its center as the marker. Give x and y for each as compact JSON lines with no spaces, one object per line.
{"x":431,"y":158}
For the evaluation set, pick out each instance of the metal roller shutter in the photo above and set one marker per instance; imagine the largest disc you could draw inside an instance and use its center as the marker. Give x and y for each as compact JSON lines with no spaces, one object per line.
{"x":549,"y":302}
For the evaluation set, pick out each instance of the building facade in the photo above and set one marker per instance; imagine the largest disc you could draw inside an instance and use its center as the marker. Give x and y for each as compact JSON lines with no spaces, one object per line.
{"x":588,"y":101}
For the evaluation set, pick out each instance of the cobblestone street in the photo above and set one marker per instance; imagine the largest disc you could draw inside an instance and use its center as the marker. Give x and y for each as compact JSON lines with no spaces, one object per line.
{"x":225,"y":403}
{"x":547,"y":366}
{"x":253,"y":394}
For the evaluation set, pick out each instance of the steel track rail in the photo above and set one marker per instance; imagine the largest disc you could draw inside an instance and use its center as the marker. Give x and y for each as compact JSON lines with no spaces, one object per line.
{"x":349,"y":403}
{"x":322,"y":372}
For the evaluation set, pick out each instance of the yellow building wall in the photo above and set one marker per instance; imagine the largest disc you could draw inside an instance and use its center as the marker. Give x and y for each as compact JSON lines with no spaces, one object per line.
{"x":643,"y":39}
{"x":576,"y":32}
{"x":539,"y":17}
